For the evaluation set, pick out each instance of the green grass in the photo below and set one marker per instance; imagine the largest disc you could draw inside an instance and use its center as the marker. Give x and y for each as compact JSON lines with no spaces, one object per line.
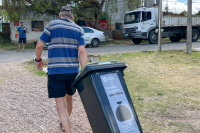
{"x":162,"y":84}
{"x":145,"y":41}
{"x":2,"y":80}
{"x":105,"y":43}
{"x":32,"y":68}
{"x":118,"y":42}
{"x":177,"y":124}
{"x":163,"y":87}
{"x":12,"y":47}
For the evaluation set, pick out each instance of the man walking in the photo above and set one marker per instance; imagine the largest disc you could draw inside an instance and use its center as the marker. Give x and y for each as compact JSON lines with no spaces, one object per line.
{"x":22,"y":36}
{"x":66,"y":48}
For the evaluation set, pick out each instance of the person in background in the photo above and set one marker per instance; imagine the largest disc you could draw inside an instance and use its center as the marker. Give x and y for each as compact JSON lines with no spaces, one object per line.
{"x":66,"y":48}
{"x":22,"y":36}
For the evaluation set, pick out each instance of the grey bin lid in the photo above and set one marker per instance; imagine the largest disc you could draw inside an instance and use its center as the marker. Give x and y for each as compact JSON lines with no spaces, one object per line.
{"x":98,"y":66}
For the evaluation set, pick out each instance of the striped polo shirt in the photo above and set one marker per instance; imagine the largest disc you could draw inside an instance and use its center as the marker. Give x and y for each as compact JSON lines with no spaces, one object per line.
{"x":64,"y":38}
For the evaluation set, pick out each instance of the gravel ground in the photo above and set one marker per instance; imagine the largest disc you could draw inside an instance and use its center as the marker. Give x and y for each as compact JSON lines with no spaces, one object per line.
{"x":26,"y":108}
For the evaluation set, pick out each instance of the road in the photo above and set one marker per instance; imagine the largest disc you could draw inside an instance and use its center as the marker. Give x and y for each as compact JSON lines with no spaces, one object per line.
{"x":13,"y":56}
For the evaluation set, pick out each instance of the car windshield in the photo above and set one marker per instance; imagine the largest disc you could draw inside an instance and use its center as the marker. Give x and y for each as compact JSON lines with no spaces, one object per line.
{"x":133,"y":17}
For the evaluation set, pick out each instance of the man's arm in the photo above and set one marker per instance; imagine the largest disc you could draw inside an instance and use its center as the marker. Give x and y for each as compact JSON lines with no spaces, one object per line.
{"x":38,"y":51}
{"x":39,"y":48}
{"x":82,"y":56}
{"x":18,"y":34}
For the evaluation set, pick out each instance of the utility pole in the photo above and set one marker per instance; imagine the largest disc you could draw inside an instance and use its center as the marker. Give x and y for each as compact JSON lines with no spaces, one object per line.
{"x":160,"y":26}
{"x":189,"y":28}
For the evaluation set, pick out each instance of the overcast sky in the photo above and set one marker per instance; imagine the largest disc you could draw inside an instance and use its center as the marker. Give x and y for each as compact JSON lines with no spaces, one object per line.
{"x":178,"y":6}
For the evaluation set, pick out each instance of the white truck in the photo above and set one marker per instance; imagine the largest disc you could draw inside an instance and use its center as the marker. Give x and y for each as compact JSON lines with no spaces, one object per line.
{"x":142,"y":24}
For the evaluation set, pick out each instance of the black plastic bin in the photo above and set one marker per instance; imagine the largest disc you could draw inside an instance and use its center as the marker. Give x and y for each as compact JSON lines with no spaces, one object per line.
{"x":106,"y":99}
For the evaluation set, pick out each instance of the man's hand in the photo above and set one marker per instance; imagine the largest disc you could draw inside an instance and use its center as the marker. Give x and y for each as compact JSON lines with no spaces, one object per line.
{"x":40,"y":65}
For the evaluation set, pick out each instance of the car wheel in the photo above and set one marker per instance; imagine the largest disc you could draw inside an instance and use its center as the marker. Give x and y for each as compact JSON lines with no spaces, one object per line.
{"x":95,"y":43}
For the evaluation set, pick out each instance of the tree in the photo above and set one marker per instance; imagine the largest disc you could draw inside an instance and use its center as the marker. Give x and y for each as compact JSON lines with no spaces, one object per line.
{"x":183,"y":13}
{"x":198,"y":13}
{"x":18,"y":9}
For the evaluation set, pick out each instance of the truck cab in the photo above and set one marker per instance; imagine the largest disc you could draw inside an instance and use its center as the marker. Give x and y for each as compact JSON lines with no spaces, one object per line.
{"x":137,"y":23}
{"x":142,"y":24}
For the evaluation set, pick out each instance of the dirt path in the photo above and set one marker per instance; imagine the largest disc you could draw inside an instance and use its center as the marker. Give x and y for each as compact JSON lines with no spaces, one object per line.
{"x":25,"y":106}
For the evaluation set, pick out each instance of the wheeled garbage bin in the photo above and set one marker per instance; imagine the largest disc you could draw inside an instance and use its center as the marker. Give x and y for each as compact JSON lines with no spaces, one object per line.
{"x":106,"y":99}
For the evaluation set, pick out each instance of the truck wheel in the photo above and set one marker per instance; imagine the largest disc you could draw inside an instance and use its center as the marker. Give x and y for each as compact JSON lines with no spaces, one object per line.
{"x":195,"y":35}
{"x":136,"y":41}
{"x":153,"y":37}
{"x":175,"y":39}
{"x":95,"y":43}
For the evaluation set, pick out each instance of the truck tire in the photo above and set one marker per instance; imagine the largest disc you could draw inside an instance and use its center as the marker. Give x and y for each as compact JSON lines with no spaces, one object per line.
{"x":195,"y":35}
{"x":175,"y":39}
{"x":136,"y":41}
{"x":153,"y":37}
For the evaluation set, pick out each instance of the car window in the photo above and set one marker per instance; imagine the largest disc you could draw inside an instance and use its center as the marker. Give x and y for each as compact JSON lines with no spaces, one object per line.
{"x":91,"y":31}
{"x":87,"y":30}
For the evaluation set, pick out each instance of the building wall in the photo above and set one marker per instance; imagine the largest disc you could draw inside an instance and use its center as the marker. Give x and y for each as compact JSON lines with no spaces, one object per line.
{"x":151,"y":3}
{"x":116,"y":16}
{"x":31,"y":36}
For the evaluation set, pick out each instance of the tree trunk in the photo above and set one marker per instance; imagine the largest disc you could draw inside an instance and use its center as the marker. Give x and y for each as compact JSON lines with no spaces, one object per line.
{"x":99,"y":14}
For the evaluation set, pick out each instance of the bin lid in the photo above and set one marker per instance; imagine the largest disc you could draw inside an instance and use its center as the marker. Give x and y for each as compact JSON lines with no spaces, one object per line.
{"x":98,"y":66}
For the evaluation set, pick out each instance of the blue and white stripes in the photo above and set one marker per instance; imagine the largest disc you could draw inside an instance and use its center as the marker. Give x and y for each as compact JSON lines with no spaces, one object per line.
{"x":64,"y":38}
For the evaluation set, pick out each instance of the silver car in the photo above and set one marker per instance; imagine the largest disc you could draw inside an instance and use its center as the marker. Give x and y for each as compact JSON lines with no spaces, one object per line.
{"x":93,"y":37}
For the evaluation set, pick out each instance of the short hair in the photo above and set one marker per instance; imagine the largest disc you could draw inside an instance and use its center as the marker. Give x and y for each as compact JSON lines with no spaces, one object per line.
{"x":66,"y":14}
{"x":66,"y":8}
